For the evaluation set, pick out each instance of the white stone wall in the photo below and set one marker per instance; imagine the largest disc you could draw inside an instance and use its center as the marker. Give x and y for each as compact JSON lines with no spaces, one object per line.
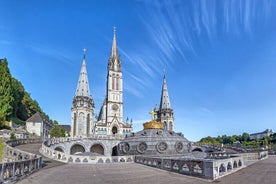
{"x":34,"y":128}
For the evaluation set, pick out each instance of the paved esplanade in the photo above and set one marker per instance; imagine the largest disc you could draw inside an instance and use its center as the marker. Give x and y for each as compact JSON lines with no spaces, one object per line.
{"x":263,"y":172}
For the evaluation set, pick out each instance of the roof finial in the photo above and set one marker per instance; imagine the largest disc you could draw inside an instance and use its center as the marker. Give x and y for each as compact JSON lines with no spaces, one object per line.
{"x":114,"y":29}
{"x":84,"y":52}
{"x":164,"y":70}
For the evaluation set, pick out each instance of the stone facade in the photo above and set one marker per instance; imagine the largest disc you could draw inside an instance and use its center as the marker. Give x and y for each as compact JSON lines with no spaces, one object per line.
{"x":155,"y":142}
{"x":261,"y":135}
{"x":110,"y":118}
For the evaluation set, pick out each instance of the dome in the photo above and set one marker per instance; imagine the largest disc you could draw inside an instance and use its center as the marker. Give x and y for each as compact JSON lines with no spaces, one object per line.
{"x":154,"y":142}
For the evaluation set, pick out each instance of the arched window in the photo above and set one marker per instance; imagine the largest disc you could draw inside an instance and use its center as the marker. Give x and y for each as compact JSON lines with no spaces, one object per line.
{"x":165,"y":125}
{"x":113,"y":82}
{"x":117,"y":83}
{"x":81,"y":123}
{"x":171,"y":126}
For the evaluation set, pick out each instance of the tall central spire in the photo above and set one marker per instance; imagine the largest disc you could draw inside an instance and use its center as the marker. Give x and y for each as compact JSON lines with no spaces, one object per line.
{"x":114,"y":51}
{"x":83,"y":86}
{"x":165,"y":100}
{"x":114,"y":62}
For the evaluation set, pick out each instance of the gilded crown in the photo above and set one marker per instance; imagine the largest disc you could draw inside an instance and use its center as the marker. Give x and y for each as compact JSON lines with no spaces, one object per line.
{"x":153,"y":124}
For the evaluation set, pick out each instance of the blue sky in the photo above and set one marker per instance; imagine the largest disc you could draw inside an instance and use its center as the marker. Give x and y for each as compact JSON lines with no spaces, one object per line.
{"x":219,"y":58}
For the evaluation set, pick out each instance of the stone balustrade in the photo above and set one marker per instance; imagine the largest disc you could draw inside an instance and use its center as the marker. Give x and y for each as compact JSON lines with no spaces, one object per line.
{"x":58,"y":140}
{"x":82,"y":159}
{"x":203,"y":168}
{"x":18,"y":164}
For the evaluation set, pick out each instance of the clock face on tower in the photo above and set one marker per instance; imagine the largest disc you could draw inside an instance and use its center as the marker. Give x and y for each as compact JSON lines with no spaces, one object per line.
{"x":115,"y":107}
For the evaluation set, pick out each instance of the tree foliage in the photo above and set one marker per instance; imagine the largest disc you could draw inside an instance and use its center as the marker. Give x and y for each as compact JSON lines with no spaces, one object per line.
{"x":57,"y":131}
{"x":268,"y":141}
{"x":14,"y":100}
{"x":6,"y":97}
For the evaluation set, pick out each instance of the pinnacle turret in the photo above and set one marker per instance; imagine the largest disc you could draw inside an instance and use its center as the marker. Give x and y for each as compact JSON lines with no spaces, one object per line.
{"x":83,"y":86}
{"x":165,"y":100}
{"x":114,"y":62}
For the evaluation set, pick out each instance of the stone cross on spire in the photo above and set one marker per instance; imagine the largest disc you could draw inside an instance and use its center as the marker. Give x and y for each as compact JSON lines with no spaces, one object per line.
{"x":83,"y":86}
{"x":165,"y":100}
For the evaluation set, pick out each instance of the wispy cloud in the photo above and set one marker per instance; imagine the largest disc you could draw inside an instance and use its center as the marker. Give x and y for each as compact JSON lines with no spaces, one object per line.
{"x":175,"y":30}
{"x":59,"y":54}
{"x":5,"y":42}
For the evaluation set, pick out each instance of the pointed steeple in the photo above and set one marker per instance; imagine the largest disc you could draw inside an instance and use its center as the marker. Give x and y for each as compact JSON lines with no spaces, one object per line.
{"x":83,"y":86}
{"x":114,"y":62}
{"x":165,"y":100}
{"x":114,"y":51}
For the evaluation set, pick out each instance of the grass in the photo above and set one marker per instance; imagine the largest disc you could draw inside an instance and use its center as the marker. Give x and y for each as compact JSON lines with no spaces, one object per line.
{"x":1,"y":149}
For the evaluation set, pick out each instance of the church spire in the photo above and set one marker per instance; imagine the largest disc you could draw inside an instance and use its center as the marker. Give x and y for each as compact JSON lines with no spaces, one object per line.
{"x":114,"y":62}
{"x":114,"y":51}
{"x":83,"y":86}
{"x":165,"y":100}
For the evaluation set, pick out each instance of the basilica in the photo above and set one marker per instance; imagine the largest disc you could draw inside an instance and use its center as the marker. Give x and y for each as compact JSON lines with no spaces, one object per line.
{"x":109,"y":121}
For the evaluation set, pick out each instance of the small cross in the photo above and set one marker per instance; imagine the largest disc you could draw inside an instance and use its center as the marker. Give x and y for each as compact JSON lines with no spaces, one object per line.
{"x":114,"y":29}
{"x":84,"y":50}
{"x":152,"y":114}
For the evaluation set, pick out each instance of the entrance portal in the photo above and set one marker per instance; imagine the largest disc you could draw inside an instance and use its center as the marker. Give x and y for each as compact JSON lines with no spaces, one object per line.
{"x":77,"y":149}
{"x":97,"y":148}
{"x":114,"y":151}
{"x":114,"y":130}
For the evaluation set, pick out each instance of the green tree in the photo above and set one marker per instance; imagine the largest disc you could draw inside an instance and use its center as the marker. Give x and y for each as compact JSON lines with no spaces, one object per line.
{"x":6,"y":98}
{"x":57,"y":131}
{"x":18,"y":94}
{"x":12,"y":137}
{"x":245,"y":137}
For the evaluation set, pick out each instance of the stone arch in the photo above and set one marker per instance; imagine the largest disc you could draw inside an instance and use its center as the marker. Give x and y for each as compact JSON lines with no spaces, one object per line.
{"x":229,"y":166}
{"x":235,"y":165}
{"x":197,"y":149}
{"x":240,"y":163}
{"x":165,"y":125}
{"x":76,"y":148}
{"x":222,"y":168}
{"x":171,"y":125}
{"x":97,"y":148}
{"x":115,"y":151}
{"x":60,"y":149}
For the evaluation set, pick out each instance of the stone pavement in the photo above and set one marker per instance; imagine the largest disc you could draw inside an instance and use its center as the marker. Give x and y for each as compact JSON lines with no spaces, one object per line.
{"x":263,"y":172}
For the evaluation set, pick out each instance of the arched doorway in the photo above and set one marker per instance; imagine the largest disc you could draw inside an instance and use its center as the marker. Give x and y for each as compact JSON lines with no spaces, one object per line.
{"x":59,"y":149}
{"x":97,"y":148}
{"x":114,"y":130}
{"x":77,"y":148}
{"x":197,"y":149}
{"x":115,"y":151}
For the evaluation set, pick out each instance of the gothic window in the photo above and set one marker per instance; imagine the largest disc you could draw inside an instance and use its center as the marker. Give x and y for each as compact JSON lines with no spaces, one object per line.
{"x":75,"y":119}
{"x":117,"y":83}
{"x":171,"y":126}
{"x":113,"y":82}
{"x":88,"y":123}
{"x":165,"y":125}
{"x":81,"y":123}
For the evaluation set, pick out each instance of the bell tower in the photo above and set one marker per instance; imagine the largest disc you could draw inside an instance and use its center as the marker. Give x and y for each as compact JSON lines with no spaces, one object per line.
{"x":114,"y":99}
{"x":165,"y":112}
{"x":82,"y":111}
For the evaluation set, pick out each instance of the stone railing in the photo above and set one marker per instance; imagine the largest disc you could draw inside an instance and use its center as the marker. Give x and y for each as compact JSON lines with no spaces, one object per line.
{"x":52,"y":141}
{"x":82,"y":159}
{"x":203,"y":168}
{"x":253,"y":156}
{"x":18,"y":164}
